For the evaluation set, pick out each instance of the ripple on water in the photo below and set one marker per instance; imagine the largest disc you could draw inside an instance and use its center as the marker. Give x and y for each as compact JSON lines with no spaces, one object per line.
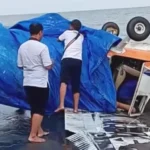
{"x":14,"y":128}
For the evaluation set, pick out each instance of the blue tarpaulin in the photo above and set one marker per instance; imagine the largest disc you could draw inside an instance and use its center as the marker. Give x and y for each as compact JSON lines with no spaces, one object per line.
{"x":97,"y":88}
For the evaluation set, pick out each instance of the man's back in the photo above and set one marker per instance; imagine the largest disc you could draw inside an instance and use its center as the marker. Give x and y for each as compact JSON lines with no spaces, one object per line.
{"x":75,"y":49}
{"x":33,"y":56}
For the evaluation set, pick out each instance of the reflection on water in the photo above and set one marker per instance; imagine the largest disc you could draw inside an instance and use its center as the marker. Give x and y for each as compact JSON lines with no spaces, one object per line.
{"x":14,"y":128}
{"x":112,"y":131}
{"x":14,"y":131}
{"x":124,"y":127}
{"x":105,"y":131}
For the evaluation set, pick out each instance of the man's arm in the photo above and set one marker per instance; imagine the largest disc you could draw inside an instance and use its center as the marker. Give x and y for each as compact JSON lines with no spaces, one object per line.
{"x":19,"y":60}
{"x":62,"y":37}
{"x":46,"y":60}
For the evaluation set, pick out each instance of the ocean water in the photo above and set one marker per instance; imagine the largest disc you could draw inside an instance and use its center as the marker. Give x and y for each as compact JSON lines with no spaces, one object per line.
{"x":94,"y":19}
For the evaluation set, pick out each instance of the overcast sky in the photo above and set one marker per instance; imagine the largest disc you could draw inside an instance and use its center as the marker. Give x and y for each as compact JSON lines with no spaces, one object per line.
{"x":8,"y":7}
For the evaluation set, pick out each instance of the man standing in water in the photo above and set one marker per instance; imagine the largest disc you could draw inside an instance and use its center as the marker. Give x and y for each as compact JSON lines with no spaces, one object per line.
{"x":71,"y":63}
{"x":34,"y":59}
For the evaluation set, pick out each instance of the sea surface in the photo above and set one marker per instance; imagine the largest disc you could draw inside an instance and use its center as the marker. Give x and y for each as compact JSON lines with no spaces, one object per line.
{"x":94,"y":19}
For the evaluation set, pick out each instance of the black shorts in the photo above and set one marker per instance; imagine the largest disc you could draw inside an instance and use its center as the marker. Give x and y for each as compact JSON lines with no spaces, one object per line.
{"x":37,"y":99}
{"x":71,"y":72}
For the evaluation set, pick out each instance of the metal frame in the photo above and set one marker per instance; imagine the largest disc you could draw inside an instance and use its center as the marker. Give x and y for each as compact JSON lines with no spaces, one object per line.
{"x":144,"y":101}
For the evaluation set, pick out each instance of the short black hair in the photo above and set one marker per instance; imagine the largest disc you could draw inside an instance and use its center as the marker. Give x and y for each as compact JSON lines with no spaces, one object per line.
{"x":35,"y":28}
{"x":76,"y":24}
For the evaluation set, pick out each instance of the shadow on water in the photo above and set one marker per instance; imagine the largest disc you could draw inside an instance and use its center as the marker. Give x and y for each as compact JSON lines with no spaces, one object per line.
{"x":14,"y":131}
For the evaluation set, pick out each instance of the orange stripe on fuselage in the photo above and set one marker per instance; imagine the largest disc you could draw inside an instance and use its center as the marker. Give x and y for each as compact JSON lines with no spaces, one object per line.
{"x":130,"y":53}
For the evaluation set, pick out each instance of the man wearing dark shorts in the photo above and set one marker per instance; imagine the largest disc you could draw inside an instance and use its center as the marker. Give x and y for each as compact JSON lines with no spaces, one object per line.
{"x":71,"y":64}
{"x":34,"y":59}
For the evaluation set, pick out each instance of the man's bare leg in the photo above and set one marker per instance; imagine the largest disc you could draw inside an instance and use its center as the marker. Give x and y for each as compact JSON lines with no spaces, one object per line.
{"x":35,"y":125}
{"x":63,"y":89}
{"x":76,"y":97}
{"x":42,"y":133}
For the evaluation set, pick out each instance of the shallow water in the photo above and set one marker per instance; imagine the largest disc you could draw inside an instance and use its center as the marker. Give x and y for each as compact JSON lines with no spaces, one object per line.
{"x":14,"y":131}
{"x":13,"y":127}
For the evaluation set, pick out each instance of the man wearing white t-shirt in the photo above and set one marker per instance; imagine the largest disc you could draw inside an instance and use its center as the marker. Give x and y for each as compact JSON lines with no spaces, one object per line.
{"x":34,"y":59}
{"x":71,"y":63}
